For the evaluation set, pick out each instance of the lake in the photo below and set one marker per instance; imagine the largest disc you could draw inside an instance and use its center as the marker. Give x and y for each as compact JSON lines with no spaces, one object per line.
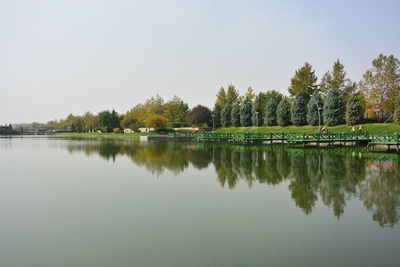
{"x":124,"y":202}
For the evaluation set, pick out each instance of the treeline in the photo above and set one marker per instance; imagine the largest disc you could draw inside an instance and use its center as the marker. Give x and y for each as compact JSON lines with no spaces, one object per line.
{"x":7,"y":129}
{"x":334,"y":100}
{"x":154,"y":113}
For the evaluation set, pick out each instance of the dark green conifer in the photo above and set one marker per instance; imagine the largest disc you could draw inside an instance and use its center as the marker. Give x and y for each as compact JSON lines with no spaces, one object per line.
{"x":270,"y":113}
{"x":299,"y":111}
{"x":353,"y":110}
{"x":235,"y":115}
{"x":314,"y":113}
{"x":245,"y":113}
{"x":226,"y":116}
{"x":333,"y":108}
{"x":283,"y":112}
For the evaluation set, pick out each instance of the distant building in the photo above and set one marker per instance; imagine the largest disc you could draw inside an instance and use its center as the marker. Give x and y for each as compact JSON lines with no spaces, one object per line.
{"x":146,"y":130}
{"x":127,"y":130}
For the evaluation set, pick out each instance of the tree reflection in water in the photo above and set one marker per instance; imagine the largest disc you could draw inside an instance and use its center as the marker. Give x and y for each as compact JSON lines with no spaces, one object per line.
{"x":332,"y":175}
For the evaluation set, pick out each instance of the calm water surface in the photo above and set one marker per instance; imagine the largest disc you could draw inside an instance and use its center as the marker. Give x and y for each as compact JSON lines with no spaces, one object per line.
{"x":92,"y":202}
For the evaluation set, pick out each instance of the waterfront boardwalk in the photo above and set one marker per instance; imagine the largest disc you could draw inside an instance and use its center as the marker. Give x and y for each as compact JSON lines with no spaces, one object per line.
{"x":328,"y":139}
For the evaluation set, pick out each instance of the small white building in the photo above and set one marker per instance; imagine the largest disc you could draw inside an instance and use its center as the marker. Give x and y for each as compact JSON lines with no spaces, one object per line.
{"x":146,"y":130}
{"x":127,"y":130}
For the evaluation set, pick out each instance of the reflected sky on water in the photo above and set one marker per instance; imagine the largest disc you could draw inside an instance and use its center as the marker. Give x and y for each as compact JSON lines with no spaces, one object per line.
{"x":105,"y":202}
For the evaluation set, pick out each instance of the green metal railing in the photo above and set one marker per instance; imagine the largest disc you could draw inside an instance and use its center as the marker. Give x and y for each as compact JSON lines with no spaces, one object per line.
{"x":326,"y":137}
{"x":385,"y":139}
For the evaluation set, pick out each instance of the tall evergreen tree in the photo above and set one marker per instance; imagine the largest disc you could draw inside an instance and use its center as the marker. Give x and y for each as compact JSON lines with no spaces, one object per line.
{"x":232,"y":95}
{"x":273,"y":94}
{"x":245,"y":113}
{"x":337,"y":79}
{"x":250,"y":94}
{"x":304,"y":82}
{"x":333,"y":108}
{"x":314,"y":107}
{"x":270,"y":113}
{"x":221,"y":99}
{"x":226,"y":116}
{"x":235,"y":114}
{"x":299,"y":111}
{"x":283,"y":112}
{"x":216,"y":113}
{"x":353,"y":110}
{"x":257,"y":113}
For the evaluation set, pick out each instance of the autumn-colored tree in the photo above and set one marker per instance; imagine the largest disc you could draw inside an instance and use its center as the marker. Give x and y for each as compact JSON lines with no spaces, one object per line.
{"x":381,"y":83}
{"x":175,"y":109}
{"x":158,"y":122}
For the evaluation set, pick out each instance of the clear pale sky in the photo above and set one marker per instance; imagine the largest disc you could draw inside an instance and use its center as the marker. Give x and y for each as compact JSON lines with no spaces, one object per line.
{"x":61,"y":57}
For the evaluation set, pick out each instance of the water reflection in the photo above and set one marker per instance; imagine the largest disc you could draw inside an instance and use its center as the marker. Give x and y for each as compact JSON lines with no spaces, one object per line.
{"x":332,"y":175}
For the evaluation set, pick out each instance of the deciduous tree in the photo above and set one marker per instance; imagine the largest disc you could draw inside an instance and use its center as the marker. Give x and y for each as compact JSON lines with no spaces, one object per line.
{"x":158,"y":122}
{"x":381,"y":83}
{"x":199,"y":115}
{"x":396,"y":115}
{"x":175,"y":109}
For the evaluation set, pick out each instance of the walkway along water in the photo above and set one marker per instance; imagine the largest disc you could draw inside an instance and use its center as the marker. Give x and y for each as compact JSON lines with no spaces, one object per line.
{"x":327,"y":139}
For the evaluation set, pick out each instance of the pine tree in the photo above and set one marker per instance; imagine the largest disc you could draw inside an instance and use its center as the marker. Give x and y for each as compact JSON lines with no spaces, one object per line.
{"x":221,"y":98}
{"x":333,"y":108}
{"x":304,"y":82}
{"x":270,"y":113}
{"x":314,"y":107}
{"x":299,"y":111}
{"x":245,"y":113}
{"x":257,"y":113}
{"x":235,"y":115}
{"x":353,"y":110}
{"x":216,"y":113}
{"x":250,"y":94}
{"x":337,"y":79}
{"x":232,"y":95}
{"x":283,"y":112}
{"x":226,"y":116}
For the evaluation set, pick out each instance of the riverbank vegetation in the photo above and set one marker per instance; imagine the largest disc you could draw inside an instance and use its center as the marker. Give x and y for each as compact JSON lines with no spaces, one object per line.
{"x":335,"y":102}
{"x":368,"y":127}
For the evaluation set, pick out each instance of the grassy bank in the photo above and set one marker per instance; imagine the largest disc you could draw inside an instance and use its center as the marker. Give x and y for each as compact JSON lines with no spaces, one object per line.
{"x":106,"y":134}
{"x":369,"y":127}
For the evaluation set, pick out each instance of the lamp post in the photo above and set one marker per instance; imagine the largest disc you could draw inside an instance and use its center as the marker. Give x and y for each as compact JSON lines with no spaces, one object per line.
{"x":319,"y":115}
{"x":319,"y":118}
{"x":213,"y":115}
